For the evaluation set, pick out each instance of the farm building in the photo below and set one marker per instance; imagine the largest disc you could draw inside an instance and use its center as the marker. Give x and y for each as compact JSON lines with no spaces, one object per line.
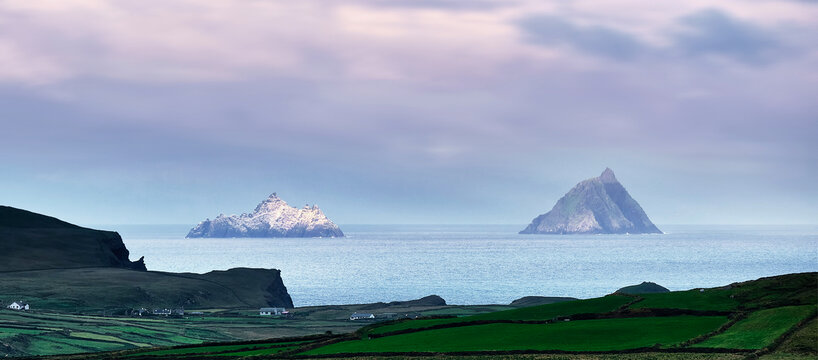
{"x":272,"y":311}
{"x":165,"y":312}
{"x":361,"y":316}
{"x":18,"y":306}
{"x":141,"y":312}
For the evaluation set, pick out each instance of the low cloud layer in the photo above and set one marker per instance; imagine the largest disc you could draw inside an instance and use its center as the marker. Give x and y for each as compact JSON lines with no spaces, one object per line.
{"x":552,"y":31}
{"x":708,"y":32}
{"x":713,"y":32}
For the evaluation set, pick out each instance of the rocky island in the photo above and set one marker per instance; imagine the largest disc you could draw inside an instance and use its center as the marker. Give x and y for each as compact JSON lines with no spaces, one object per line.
{"x":599,"y":205}
{"x":272,"y":218}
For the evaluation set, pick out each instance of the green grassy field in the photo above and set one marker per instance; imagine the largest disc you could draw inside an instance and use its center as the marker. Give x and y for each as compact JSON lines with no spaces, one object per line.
{"x":627,"y":356}
{"x":586,"y":335}
{"x":760,"y":328}
{"x":541,"y":312}
{"x":202,"y":350}
{"x":270,"y":351}
{"x":10,"y":332}
{"x":791,"y":289}
{"x":710,"y":299}
{"x":56,"y":343}
{"x":33,"y":333}
{"x":231,"y":350}
{"x":768,"y":308}
{"x":803,"y":344}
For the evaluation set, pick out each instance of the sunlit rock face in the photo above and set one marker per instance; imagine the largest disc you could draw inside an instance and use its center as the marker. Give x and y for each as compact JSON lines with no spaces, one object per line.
{"x":599,"y":205}
{"x":272,"y":218}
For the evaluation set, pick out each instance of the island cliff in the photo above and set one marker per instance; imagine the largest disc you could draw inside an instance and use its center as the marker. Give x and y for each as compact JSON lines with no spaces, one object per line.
{"x":272,"y":218}
{"x":599,"y":205}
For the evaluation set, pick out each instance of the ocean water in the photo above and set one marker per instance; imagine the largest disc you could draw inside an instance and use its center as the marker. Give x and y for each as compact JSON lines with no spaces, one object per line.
{"x":484,"y":264}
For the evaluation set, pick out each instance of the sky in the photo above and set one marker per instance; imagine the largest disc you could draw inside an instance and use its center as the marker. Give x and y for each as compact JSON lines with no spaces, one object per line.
{"x":401,"y":112}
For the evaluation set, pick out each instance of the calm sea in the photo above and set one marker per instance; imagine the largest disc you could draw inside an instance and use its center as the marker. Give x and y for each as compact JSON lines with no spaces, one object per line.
{"x":484,"y":264}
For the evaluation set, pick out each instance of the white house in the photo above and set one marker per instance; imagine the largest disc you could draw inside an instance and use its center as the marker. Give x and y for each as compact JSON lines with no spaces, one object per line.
{"x":361,"y":316}
{"x":271,"y":311}
{"x":18,"y":306}
{"x":163,"y":312}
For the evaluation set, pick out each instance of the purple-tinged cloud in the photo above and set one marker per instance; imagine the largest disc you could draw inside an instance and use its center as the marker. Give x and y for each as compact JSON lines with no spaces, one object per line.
{"x":713,"y":32}
{"x":704,"y":33}
{"x":602,"y":41}
{"x":439,"y":4}
{"x":382,"y":112}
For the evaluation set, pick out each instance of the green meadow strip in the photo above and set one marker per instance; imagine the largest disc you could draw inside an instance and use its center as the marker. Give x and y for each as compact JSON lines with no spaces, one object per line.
{"x":533,"y":313}
{"x":585,"y":335}
{"x":268,"y":351}
{"x":709,"y":299}
{"x":760,"y":328}
{"x":218,"y":349}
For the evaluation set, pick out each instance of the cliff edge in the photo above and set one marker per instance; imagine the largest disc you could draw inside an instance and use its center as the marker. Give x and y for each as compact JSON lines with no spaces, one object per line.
{"x":30,"y":241}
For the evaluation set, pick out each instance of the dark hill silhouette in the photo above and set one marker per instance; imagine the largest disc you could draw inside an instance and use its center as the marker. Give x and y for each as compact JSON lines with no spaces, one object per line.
{"x":30,"y":241}
{"x":61,"y":266}
{"x":645,"y":287}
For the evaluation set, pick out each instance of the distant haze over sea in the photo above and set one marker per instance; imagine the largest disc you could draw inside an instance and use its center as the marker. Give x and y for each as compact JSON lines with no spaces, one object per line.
{"x":485,"y":264}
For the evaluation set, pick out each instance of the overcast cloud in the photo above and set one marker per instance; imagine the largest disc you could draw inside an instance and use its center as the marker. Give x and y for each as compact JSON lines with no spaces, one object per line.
{"x":407,"y":111}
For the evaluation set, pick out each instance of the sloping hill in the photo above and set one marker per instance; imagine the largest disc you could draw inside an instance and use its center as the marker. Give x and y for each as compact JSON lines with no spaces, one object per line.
{"x":760,"y":314}
{"x":90,"y":290}
{"x":59,"y":266}
{"x":30,"y":241}
{"x":527,"y":301}
{"x":607,"y":328}
{"x":645,"y":287}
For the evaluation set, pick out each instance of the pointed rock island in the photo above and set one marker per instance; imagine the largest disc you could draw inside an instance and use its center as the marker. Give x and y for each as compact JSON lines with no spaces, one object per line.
{"x":599,"y":205}
{"x":272,"y":218}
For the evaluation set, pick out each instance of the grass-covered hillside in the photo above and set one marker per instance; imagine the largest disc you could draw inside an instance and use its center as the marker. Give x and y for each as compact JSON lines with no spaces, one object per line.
{"x":61,"y":267}
{"x":115,"y":291}
{"x":771,"y":318}
{"x":46,"y":331}
{"x":36,"y":333}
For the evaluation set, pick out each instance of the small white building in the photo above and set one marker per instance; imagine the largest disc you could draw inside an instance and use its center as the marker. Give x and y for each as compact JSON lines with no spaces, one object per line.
{"x":162,"y":312}
{"x":18,"y":306}
{"x":361,"y":316}
{"x":271,"y":311}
